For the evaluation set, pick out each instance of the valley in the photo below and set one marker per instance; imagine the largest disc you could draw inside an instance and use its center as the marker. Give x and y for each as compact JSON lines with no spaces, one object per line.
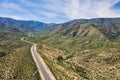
{"x":82,"y":49}
{"x":84,"y":52}
{"x":60,"y":40}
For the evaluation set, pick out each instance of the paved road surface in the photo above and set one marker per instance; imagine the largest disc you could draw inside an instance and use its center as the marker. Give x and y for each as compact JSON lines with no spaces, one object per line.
{"x":43,"y":69}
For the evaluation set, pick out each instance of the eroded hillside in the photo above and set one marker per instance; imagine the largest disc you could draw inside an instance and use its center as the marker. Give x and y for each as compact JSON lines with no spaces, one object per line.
{"x":82,"y":51}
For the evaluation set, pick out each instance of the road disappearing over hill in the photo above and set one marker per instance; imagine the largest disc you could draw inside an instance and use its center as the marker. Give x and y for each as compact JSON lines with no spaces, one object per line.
{"x":43,"y":69}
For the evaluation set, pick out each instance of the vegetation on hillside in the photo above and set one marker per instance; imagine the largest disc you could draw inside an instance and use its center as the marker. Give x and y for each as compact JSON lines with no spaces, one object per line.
{"x":82,"y":51}
{"x":16,"y":62}
{"x":76,"y":50}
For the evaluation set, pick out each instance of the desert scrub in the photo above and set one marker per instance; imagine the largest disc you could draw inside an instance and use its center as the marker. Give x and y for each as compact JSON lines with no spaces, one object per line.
{"x":56,"y":62}
{"x":82,"y":72}
{"x":18,"y":64}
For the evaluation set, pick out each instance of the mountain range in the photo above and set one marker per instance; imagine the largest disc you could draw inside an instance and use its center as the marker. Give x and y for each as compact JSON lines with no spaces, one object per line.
{"x":81,"y":49}
{"x":109,"y":27}
{"x":102,"y":27}
{"x":89,"y":48}
{"x":25,"y":25}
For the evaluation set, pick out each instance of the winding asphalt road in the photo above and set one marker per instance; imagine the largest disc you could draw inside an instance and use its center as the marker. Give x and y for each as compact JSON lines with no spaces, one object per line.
{"x":43,"y":69}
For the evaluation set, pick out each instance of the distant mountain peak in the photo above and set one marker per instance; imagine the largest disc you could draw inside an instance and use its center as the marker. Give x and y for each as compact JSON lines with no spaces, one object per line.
{"x":23,"y":25}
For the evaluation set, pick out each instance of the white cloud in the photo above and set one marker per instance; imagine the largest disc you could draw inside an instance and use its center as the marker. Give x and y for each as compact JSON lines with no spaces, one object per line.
{"x":15,"y":11}
{"x":75,"y":9}
{"x":26,"y":2}
{"x":39,"y":7}
{"x":72,"y":9}
{"x":47,"y":10}
{"x":91,"y":9}
{"x":11,"y":6}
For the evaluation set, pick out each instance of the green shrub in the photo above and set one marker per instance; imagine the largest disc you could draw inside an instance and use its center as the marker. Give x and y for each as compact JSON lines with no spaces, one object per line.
{"x":81,"y":71}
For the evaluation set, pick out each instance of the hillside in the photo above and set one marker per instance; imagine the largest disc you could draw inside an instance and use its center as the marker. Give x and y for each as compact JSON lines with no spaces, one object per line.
{"x":83,"y":49}
{"x":110,"y":27}
{"x":15,"y":58}
{"x":87,"y":34}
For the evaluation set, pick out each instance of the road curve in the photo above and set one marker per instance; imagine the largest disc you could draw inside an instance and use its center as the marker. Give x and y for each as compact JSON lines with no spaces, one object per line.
{"x":43,"y":69}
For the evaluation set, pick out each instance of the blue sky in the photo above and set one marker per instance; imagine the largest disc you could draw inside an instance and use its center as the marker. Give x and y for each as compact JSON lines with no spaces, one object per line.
{"x":57,"y":11}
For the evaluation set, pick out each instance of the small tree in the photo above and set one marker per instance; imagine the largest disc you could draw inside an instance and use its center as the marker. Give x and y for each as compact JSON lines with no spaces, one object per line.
{"x":59,"y":58}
